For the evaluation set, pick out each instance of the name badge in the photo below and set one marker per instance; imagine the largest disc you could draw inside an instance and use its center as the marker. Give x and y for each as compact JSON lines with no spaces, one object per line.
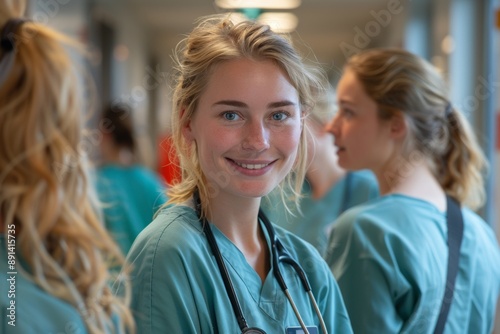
{"x":299,"y":330}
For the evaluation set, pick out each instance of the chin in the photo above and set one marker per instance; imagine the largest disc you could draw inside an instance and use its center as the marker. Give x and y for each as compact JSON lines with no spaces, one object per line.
{"x":255,"y":191}
{"x":350,"y":167}
{"x":343,"y":164}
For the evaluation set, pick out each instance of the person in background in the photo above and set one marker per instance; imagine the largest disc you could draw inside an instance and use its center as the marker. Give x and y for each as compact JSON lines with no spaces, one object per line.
{"x":130,"y":193}
{"x":327,"y":191}
{"x":390,"y":255}
{"x":209,"y":261}
{"x":54,"y":252}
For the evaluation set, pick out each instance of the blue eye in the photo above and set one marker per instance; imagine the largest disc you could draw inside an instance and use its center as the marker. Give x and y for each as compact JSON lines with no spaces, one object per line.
{"x":347,"y":112}
{"x":230,"y":116}
{"x":279,"y":116}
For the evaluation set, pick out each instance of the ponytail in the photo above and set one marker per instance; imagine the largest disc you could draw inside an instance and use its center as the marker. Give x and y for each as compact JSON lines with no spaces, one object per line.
{"x":464,"y":163}
{"x":45,"y":190}
{"x":399,"y":81}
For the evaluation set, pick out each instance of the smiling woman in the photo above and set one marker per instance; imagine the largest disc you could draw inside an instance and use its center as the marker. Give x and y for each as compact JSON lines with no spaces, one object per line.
{"x":241,"y":96}
{"x":257,"y":135}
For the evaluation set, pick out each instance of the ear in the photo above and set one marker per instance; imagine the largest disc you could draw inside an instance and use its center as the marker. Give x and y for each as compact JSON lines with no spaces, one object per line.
{"x":398,"y":126}
{"x":187,"y":131}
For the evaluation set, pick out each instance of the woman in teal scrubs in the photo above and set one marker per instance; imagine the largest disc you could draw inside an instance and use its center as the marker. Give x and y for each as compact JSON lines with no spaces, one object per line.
{"x":130,"y":192}
{"x":326,"y":193}
{"x":390,"y":255}
{"x":239,"y":103}
{"x":54,"y":251}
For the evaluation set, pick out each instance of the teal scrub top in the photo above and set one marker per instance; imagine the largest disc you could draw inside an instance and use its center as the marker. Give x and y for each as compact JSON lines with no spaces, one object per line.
{"x":177,"y":286}
{"x":130,"y":197}
{"x":318,"y":215}
{"x":26,"y":308}
{"x":390,"y":256}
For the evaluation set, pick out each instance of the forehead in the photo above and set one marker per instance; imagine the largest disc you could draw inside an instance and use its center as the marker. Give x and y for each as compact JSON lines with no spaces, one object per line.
{"x":245,"y":78}
{"x":350,"y":92}
{"x":350,"y":85}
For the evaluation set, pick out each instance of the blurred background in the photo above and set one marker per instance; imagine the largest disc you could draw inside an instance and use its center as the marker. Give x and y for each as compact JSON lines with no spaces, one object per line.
{"x":131,"y":41}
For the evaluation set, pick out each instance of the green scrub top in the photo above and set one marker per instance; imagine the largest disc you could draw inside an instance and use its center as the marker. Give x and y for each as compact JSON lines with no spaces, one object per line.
{"x":130,"y":197}
{"x":26,"y":308}
{"x":390,"y":256}
{"x":318,"y":215}
{"x":177,"y":286}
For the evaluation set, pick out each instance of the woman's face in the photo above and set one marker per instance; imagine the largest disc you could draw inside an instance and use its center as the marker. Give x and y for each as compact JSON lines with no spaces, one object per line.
{"x":246,"y":127}
{"x":362,"y":139}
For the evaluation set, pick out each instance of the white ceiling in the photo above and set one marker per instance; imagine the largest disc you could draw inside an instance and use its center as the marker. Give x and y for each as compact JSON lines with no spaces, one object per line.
{"x":324,"y":25}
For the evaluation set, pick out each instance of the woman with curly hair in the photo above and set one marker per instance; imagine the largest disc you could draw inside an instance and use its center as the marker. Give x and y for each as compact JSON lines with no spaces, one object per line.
{"x":55,"y":252}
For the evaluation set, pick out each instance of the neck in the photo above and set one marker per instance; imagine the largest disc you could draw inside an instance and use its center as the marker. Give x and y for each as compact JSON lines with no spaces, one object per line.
{"x":323,"y":173}
{"x":412,"y":179}
{"x":113,"y":154}
{"x":323,"y":179}
{"x":237,"y":219}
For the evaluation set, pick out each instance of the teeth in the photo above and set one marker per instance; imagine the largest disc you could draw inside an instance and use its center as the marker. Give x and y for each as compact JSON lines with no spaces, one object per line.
{"x":253,"y":166}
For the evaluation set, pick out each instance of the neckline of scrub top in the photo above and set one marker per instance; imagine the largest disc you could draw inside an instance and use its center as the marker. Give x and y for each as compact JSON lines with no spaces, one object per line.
{"x":416,"y":200}
{"x":251,"y":280}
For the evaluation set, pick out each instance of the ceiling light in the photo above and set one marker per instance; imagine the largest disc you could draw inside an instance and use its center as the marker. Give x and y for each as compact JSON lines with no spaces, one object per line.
{"x":279,"y":22}
{"x":237,"y":17}
{"x":264,"y":4}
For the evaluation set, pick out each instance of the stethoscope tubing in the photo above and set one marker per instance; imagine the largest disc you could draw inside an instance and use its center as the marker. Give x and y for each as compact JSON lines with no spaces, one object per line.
{"x":233,"y":298}
{"x":277,"y":248}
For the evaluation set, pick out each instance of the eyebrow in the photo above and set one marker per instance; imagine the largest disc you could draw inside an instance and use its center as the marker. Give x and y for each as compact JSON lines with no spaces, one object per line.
{"x":240,"y":104}
{"x":232,"y":103}
{"x":344,"y":102}
{"x":283,"y":103}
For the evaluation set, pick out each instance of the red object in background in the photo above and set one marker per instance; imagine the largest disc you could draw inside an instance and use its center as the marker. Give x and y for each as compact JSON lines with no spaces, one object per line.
{"x":168,"y":163}
{"x":498,"y":131}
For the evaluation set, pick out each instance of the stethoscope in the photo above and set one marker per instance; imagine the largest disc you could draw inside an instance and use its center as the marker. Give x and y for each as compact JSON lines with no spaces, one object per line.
{"x":279,"y":254}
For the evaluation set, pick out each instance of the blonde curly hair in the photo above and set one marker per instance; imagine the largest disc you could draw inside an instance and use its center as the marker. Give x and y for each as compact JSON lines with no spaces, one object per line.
{"x":44,"y":187}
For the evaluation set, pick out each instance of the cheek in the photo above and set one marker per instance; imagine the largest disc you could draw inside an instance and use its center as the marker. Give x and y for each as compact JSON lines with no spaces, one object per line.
{"x":212,"y":145}
{"x":289,"y":140}
{"x":356,"y":132}
{"x":366,"y":141}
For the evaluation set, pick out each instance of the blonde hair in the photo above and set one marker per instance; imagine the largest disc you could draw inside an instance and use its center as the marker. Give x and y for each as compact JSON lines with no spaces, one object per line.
{"x":44,"y":187}
{"x":216,"y":39}
{"x":399,"y":81}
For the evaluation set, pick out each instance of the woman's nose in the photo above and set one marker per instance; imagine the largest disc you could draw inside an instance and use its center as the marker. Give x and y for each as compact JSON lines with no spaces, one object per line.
{"x":333,"y":126}
{"x":256,"y":137}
